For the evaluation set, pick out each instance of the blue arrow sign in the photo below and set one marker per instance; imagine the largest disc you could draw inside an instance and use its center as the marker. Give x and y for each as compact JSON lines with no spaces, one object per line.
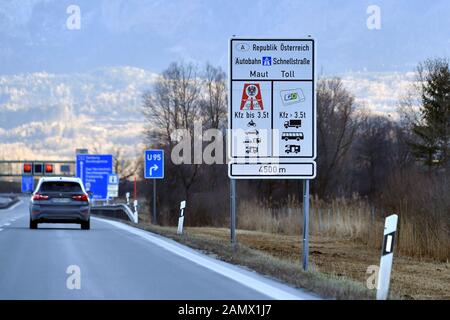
{"x":154,"y":164}
{"x":27,"y":184}
{"x":94,"y":171}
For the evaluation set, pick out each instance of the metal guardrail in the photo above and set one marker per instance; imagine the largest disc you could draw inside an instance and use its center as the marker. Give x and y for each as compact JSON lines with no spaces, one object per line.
{"x":113,"y":210}
{"x":11,"y":199}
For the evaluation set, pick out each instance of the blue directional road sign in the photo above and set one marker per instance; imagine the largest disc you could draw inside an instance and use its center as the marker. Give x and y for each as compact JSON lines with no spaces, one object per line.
{"x":94,"y":171}
{"x":154,"y":164}
{"x":27,"y":184}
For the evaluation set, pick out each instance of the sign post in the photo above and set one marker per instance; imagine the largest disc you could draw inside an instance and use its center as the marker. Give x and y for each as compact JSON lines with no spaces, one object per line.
{"x":305,"y":255}
{"x":272,"y":115}
{"x":233,"y":211}
{"x":154,"y":169}
{"x":154,"y":202}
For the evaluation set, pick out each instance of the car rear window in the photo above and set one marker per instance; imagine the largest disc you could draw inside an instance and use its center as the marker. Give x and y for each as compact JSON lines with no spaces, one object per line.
{"x":60,"y":186}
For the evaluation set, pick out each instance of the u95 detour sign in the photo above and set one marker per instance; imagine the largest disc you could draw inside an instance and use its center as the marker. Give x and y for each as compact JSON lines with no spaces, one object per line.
{"x":272,"y":109}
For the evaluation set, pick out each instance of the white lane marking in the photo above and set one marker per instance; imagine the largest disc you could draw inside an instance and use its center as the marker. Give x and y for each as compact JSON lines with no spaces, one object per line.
{"x":257,"y":285}
{"x":1,"y":229}
{"x":6,"y":224}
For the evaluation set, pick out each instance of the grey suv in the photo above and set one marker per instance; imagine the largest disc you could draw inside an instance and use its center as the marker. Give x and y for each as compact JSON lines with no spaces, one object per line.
{"x":60,"y":200}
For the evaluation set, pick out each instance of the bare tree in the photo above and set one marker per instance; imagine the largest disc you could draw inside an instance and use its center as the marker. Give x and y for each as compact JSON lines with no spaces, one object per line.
{"x":214,"y":112}
{"x":125,"y":167}
{"x":174,"y":103}
{"x":214,"y":103}
{"x":374,"y":152}
{"x":336,"y":130}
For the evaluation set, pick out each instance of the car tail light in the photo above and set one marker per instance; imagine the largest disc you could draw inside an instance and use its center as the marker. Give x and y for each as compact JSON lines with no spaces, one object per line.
{"x":83,"y":197}
{"x":40,"y":197}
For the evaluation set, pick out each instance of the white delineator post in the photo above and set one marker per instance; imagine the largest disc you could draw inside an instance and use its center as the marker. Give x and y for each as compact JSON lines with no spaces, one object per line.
{"x":135,"y":204}
{"x":181,"y":218}
{"x":387,"y":254}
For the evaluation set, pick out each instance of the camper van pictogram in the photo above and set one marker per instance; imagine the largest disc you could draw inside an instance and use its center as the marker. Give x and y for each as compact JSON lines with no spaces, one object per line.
{"x":294,"y":148}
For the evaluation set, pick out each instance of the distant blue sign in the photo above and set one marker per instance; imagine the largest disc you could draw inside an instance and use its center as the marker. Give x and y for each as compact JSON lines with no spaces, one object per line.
{"x":94,"y":171}
{"x":154,"y":164}
{"x":65,"y":168}
{"x":27,"y":184}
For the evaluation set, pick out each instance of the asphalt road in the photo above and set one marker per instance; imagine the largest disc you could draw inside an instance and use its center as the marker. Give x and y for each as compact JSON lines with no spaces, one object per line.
{"x":116,"y":261}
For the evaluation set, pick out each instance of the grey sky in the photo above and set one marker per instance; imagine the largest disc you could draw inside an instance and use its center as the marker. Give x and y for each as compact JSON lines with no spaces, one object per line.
{"x":151,"y":34}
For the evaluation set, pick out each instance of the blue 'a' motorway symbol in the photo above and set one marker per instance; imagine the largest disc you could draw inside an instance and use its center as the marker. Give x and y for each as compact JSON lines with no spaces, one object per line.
{"x":267,"y":61}
{"x":154,"y":164}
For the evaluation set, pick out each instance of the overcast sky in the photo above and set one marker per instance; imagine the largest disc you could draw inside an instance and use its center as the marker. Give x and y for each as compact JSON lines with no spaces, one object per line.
{"x":150,"y":34}
{"x":61,"y":87}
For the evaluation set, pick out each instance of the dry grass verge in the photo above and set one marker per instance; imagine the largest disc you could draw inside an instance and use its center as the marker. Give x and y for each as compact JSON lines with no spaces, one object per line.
{"x":325,"y":285}
{"x":345,"y":240}
{"x":425,"y":237}
{"x":338,"y":266}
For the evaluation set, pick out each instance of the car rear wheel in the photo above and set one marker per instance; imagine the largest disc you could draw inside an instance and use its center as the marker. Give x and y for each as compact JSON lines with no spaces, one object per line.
{"x":86,"y":225}
{"x":33,"y":224}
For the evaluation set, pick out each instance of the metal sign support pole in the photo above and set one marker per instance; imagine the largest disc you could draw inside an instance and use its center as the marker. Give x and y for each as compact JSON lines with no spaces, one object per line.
{"x":154,"y":201}
{"x":233,"y":210}
{"x":305,"y":224}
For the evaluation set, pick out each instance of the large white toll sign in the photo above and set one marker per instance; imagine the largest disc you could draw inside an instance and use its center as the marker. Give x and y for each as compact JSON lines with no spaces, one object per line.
{"x":272,"y":109}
